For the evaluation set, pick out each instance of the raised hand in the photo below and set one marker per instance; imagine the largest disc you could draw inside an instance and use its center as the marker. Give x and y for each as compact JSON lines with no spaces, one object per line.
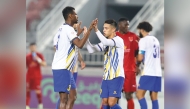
{"x":79,"y":29}
{"x":91,"y":25}
{"x":85,"y":31}
{"x":95,"y":25}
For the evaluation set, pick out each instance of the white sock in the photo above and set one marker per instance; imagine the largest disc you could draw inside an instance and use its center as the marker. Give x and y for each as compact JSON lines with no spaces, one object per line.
{"x":40,"y":106}
{"x":27,"y":107}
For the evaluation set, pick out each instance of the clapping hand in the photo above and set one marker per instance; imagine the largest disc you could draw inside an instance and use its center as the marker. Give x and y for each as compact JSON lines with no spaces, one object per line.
{"x":79,"y":29}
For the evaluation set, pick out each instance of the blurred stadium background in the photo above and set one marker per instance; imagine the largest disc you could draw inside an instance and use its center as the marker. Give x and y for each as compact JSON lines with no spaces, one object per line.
{"x":43,"y":18}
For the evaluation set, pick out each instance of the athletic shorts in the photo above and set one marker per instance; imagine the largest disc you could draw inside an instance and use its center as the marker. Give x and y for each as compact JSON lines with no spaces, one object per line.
{"x":112,"y":88}
{"x":130,"y":82}
{"x":63,"y":80}
{"x":151,"y":83}
{"x":75,"y":74}
{"x":33,"y":83}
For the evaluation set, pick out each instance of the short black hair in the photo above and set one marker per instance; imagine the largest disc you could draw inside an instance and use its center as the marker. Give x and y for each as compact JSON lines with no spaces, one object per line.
{"x":123,"y":19}
{"x":145,"y":26}
{"x":111,"y":22}
{"x":33,"y":43}
{"x":66,"y":11}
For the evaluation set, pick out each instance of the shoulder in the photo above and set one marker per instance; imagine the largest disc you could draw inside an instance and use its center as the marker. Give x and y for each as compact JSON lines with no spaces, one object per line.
{"x":39,"y":54}
{"x":118,"y":40}
{"x":28,"y":54}
{"x":133,"y":34}
{"x":66,"y":27}
{"x":143,"y":39}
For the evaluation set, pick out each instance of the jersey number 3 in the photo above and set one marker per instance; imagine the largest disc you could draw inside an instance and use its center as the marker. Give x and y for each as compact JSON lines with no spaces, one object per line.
{"x":156,"y":52}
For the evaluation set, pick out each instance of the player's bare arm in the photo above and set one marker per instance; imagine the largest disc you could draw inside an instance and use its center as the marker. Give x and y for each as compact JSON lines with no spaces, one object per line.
{"x":80,"y":59}
{"x":140,"y":57}
{"x":79,"y":29}
{"x":80,"y":42}
{"x":40,"y":61}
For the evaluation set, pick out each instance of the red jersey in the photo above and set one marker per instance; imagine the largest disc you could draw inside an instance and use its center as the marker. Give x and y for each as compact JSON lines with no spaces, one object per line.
{"x":131,"y":45}
{"x":33,"y":66}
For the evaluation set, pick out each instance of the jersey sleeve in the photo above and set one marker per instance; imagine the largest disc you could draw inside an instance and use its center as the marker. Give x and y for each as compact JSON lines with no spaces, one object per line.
{"x":71,"y":33}
{"x":41,"y":56}
{"x":94,"y":48}
{"x":118,"y":42}
{"x":104,"y":40}
{"x":142,"y":46}
{"x":100,"y":46}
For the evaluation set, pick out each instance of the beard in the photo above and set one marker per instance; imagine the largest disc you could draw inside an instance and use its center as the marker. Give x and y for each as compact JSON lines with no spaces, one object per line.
{"x":140,"y":35}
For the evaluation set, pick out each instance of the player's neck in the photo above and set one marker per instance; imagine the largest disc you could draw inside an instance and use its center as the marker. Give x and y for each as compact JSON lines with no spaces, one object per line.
{"x":69,"y":23}
{"x":122,"y":32}
{"x":112,"y":36}
{"x":145,"y":34}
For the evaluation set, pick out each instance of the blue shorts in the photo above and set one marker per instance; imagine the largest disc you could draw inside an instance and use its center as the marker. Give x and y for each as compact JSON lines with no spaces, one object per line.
{"x":63,"y":80}
{"x":75,"y":76}
{"x":112,"y":88}
{"x":151,"y":83}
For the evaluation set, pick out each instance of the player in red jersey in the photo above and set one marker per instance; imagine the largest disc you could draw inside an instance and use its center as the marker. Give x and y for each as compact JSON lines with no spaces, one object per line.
{"x":131,"y":50}
{"x":33,"y":77}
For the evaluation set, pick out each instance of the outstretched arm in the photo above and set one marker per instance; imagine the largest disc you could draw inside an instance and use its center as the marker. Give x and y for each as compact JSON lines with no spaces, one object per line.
{"x":80,"y":42}
{"x":80,"y":59}
{"x":103,"y":39}
{"x":94,"y":48}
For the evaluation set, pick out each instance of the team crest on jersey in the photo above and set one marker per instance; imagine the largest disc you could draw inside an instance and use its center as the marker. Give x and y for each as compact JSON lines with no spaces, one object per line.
{"x":114,"y":92}
{"x":130,"y":38}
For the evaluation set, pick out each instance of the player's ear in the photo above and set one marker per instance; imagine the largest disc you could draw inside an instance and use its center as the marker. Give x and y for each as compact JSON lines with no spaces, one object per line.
{"x":114,"y":29}
{"x":143,"y":30}
{"x":70,"y":16}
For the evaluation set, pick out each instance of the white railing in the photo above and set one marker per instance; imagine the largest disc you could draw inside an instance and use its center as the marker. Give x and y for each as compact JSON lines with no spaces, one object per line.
{"x":149,"y":12}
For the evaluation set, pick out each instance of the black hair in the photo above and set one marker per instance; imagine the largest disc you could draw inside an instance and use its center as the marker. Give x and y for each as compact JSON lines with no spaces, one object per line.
{"x":111,"y":22}
{"x":145,"y":26}
{"x":123,"y":19}
{"x":33,"y":43}
{"x":66,"y":11}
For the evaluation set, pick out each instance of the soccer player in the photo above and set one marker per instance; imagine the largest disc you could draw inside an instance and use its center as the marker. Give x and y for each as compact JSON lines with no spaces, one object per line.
{"x":113,"y":48}
{"x":149,"y":54}
{"x":33,"y":77}
{"x":74,"y":70}
{"x":130,"y":52}
{"x":65,"y":58}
